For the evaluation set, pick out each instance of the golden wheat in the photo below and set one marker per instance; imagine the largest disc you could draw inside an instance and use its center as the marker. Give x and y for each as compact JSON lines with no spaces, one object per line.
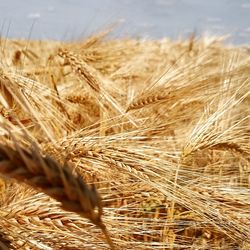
{"x":160,"y":128}
{"x":58,"y":182}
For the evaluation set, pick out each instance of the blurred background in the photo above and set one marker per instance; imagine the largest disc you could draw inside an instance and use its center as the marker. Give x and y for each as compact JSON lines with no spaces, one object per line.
{"x":74,"y":19}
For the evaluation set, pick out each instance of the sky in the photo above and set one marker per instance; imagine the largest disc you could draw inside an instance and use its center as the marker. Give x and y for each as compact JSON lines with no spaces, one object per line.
{"x":74,"y":19}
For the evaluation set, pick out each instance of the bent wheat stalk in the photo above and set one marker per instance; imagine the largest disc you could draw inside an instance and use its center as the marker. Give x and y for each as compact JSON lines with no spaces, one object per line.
{"x":42,"y":172}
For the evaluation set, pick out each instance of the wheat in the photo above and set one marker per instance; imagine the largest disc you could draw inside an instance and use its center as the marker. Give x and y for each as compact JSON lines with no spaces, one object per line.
{"x":160,"y":128}
{"x":152,"y":99}
{"x":94,"y":79}
{"x":82,"y":68}
{"x":58,"y":182}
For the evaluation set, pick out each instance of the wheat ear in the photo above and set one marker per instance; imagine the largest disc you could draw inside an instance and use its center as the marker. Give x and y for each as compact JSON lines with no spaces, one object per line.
{"x":42,"y":172}
{"x":148,"y":100}
{"x":80,"y":67}
{"x":94,"y":79}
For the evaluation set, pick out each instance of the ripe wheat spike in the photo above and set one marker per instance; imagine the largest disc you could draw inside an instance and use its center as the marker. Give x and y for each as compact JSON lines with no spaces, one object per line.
{"x":59,"y":182}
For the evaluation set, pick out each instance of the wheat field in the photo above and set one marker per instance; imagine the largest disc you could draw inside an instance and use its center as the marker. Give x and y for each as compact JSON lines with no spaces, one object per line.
{"x":124,"y":144}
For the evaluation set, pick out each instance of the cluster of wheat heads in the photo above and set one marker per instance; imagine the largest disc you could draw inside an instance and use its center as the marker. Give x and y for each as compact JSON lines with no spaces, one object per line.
{"x":124,"y":144}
